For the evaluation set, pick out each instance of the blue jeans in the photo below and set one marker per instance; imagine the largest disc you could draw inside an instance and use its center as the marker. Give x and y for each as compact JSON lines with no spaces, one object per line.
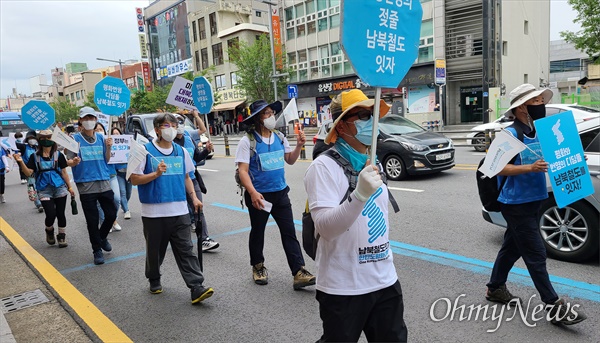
{"x":522,"y":239}
{"x":125,"y":190}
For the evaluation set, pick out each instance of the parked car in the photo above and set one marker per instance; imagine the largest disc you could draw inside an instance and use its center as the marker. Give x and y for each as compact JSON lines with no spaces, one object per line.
{"x":404,"y":148}
{"x":581,"y":113}
{"x":572,"y":233}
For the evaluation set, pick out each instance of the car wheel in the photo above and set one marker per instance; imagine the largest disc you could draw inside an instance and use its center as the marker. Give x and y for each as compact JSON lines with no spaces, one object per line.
{"x":479,"y":139}
{"x":394,"y":168}
{"x":571,"y":233}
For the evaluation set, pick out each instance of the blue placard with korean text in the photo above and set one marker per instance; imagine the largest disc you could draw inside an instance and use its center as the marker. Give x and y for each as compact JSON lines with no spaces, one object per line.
{"x":381,"y":38}
{"x":202,"y":94}
{"x":38,"y":115}
{"x":562,"y":149}
{"x":112,"y":96}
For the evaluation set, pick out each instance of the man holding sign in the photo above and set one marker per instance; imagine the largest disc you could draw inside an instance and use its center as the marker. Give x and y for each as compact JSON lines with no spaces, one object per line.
{"x":521,"y":198}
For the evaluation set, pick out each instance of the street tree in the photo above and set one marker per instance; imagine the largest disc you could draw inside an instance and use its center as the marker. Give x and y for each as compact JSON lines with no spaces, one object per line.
{"x":150,"y":102}
{"x":255,"y":68}
{"x":65,"y":110}
{"x":588,"y":38}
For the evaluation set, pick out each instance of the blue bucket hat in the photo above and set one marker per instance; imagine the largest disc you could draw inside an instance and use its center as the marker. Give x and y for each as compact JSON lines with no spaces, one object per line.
{"x":260,"y":105}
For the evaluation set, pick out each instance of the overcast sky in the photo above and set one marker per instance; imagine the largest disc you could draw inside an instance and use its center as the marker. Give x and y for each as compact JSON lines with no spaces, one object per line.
{"x":37,"y":36}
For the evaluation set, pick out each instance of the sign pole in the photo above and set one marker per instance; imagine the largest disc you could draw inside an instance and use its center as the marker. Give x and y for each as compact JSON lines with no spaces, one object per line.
{"x":375,"y":126}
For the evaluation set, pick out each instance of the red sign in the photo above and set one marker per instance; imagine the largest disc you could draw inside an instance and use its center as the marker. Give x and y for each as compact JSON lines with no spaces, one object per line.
{"x":277,"y":38}
{"x":147,"y":80}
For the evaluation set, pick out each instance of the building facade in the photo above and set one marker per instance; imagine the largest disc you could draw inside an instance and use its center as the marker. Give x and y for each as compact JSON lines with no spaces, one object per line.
{"x":77,"y":92}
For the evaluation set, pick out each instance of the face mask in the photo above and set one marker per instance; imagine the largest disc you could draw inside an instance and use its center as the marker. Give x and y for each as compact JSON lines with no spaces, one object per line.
{"x":19,"y":140}
{"x":180,"y":130}
{"x":168,"y":134}
{"x":46,"y":143}
{"x":364,"y":131}
{"x":89,"y":124}
{"x":356,"y":159}
{"x":270,"y":122}
{"x":536,"y":111}
{"x":32,"y":142}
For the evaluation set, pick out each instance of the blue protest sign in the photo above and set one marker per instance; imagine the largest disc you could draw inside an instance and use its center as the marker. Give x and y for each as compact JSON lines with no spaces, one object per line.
{"x":562,"y":149}
{"x":202,"y":94}
{"x":381,"y":38}
{"x":112,"y":96}
{"x":38,"y":115}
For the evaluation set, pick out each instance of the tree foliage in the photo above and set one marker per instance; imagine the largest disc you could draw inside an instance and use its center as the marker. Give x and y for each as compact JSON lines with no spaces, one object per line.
{"x":65,"y":110}
{"x":588,"y":38}
{"x":255,"y":67}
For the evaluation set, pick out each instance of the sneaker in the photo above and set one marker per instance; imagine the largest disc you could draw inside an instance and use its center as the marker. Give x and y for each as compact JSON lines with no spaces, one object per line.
{"x":116,"y":227}
{"x":200,"y":293}
{"x":303,"y":278}
{"x":2,"y":199}
{"x":501,"y":295}
{"x":127,"y":215}
{"x":50,"y":237}
{"x":155,"y":286}
{"x":209,"y":244}
{"x":561,"y":312}
{"x":98,"y":257}
{"x":40,"y":209}
{"x":259,"y":272}
{"x":23,"y":181}
{"x":105,"y":244}
{"x":62,"y":240}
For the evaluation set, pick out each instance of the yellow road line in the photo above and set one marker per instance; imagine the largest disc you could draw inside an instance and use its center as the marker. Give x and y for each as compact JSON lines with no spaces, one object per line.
{"x":103,"y":327}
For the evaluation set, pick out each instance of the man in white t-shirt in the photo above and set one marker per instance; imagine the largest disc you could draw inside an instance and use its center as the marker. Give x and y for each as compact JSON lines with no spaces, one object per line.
{"x":357,"y":286}
{"x":163,"y":180}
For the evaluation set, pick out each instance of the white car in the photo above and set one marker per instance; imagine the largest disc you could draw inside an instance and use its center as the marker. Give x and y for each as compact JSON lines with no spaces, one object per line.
{"x":581,"y":113}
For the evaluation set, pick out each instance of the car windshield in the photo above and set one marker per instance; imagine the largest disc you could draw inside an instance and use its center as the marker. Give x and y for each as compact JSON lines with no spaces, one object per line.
{"x":583,"y":108}
{"x":396,"y":125}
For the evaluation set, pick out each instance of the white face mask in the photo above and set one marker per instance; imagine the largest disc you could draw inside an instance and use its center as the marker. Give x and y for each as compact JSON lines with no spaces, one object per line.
{"x":32,"y":142}
{"x":180,"y":129}
{"x":270,"y":122}
{"x":168,"y":134}
{"x":89,"y":124}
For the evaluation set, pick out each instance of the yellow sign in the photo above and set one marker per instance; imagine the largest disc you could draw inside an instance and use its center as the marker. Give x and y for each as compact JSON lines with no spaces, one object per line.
{"x":230,"y":95}
{"x":143,"y":46}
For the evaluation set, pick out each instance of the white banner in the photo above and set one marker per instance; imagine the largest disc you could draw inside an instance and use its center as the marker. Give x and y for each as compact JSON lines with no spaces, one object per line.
{"x":181,"y":94}
{"x":9,"y":142}
{"x":119,"y":153}
{"x":65,"y":140}
{"x":504,"y":147}
{"x":137,"y":156}
{"x":290,"y":113}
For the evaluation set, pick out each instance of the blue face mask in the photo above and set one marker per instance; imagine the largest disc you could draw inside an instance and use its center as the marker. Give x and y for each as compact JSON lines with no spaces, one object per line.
{"x":364,"y":131}
{"x":356,"y":159}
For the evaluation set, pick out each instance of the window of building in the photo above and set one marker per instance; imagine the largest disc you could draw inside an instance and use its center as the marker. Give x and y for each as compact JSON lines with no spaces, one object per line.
{"x":311,"y":27}
{"x":258,"y":14}
{"x":526,"y":27}
{"x":302,"y":75}
{"x":233,"y":43}
{"x":212,"y":18}
{"x":72,"y":97}
{"x":197,"y":60}
{"x":322,"y":24}
{"x":293,"y":76}
{"x":426,"y":42}
{"x":338,"y":69}
{"x":333,"y":3}
{"x":234,"y":79}
{"x":565,"y":65}
{"x":302,"y":56}
{"x":289,"y":13}
{"x":202,"y":28}
{"x":324,"y":54}
{"x":300,"y":30}
{"x":77,"y":95}
{"x":348,"y":68}
{"x":314,"y":63}
{"x":204,"y":54}
{"x":335,"y":49}
{"x":290,"y":33}
{"x":310,"y":6}
{"x":525,"y":78}
{"x":221,"y":81}
{"x":322,"y":5}
{"x":299,"y":10}
{"x":505,"y":51}
{"x":217,"y":52}
{"x":334,"y":21}
{"x":292,"y":58}
{"x":194,"y":31}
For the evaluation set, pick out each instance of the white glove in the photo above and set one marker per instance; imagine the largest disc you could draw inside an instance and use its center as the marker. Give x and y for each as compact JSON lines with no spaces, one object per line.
{"x":369,"y":181}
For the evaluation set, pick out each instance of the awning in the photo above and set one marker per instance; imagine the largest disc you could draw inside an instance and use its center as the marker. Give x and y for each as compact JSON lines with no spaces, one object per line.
{"x":227,"y":106}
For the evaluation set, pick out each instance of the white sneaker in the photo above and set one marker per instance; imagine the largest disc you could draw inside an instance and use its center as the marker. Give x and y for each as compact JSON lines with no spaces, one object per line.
{"x":127,"y":215}
{"x":209,"y":244}
{"x":23,"y":181}
{"x":116,"y":226}
{"x":2,"y":199}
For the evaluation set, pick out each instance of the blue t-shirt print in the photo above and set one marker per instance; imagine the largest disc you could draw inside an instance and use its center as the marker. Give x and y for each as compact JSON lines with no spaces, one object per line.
{"x":174,"y":165}
{"x":376,"y":224}
{"x":91,"y":153}
{"x":272,"y":160}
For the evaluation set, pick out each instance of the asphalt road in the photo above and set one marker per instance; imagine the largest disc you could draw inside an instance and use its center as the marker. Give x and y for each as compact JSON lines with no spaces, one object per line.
{"x":442,"y":249}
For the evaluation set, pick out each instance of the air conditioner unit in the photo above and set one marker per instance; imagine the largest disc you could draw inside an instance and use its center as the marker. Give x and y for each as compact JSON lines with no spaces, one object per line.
{"x":464,"y":45}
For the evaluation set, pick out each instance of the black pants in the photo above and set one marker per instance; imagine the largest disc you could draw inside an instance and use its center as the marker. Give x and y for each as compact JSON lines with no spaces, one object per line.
{"x":2,"y":182}
{"x":522,"y":239}
{"x":197,"y":219}
{"x":54,"y":208}
{"x":90,"y":210}
{"x":379,"y":314}
{"x":159,"y":232}
{"x":282,"y":213}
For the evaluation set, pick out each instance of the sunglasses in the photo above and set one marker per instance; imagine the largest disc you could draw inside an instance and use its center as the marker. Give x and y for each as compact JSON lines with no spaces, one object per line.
{"x":362,"y":115}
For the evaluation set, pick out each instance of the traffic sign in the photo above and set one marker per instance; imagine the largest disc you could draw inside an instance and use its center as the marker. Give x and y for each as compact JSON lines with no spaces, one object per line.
{"x":112,"y":96}
{"x":292,"y":91}
{"x":383,"y":44}
{"x":202,"y":94}
{"x":38,"y":115}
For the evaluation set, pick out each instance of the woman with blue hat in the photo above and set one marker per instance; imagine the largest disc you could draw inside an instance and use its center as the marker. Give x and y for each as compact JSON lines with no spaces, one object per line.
{"x":260,"y":157}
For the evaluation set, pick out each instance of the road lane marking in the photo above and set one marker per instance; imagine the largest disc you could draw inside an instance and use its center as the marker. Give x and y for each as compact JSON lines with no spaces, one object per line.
{"x":208,"y":170}
{"x":102,"y":326}
{"x":406,"y":189}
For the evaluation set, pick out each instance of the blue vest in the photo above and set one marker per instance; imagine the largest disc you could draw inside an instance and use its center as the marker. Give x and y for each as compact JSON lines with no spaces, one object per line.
{"x":190,"y":147}
{"x":2,"y":166}
{"x":267,"y":165}
{"x":93,"y":166}
{"x":48,"y":173}
{"x":170,"y":186}
{"x":28,"y":151}
{"x":524,"y":188}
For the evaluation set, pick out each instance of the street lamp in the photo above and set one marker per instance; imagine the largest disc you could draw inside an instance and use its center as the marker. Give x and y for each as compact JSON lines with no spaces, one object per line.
{"x":275,"y":75}
{"x":114,"y":61}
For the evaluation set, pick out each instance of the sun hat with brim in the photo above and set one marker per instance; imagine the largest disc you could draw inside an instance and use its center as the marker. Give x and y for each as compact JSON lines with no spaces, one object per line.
{"x":87,"y":111}
{"x":346,"y":101}
{"x":45,"y":133}
{"x":522,"y":94}
{"x":260,"y":105}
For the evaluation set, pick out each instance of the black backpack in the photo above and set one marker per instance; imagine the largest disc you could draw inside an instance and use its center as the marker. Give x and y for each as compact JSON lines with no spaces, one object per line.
{"x":488,"y":186}
{"x":309,"y":241}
